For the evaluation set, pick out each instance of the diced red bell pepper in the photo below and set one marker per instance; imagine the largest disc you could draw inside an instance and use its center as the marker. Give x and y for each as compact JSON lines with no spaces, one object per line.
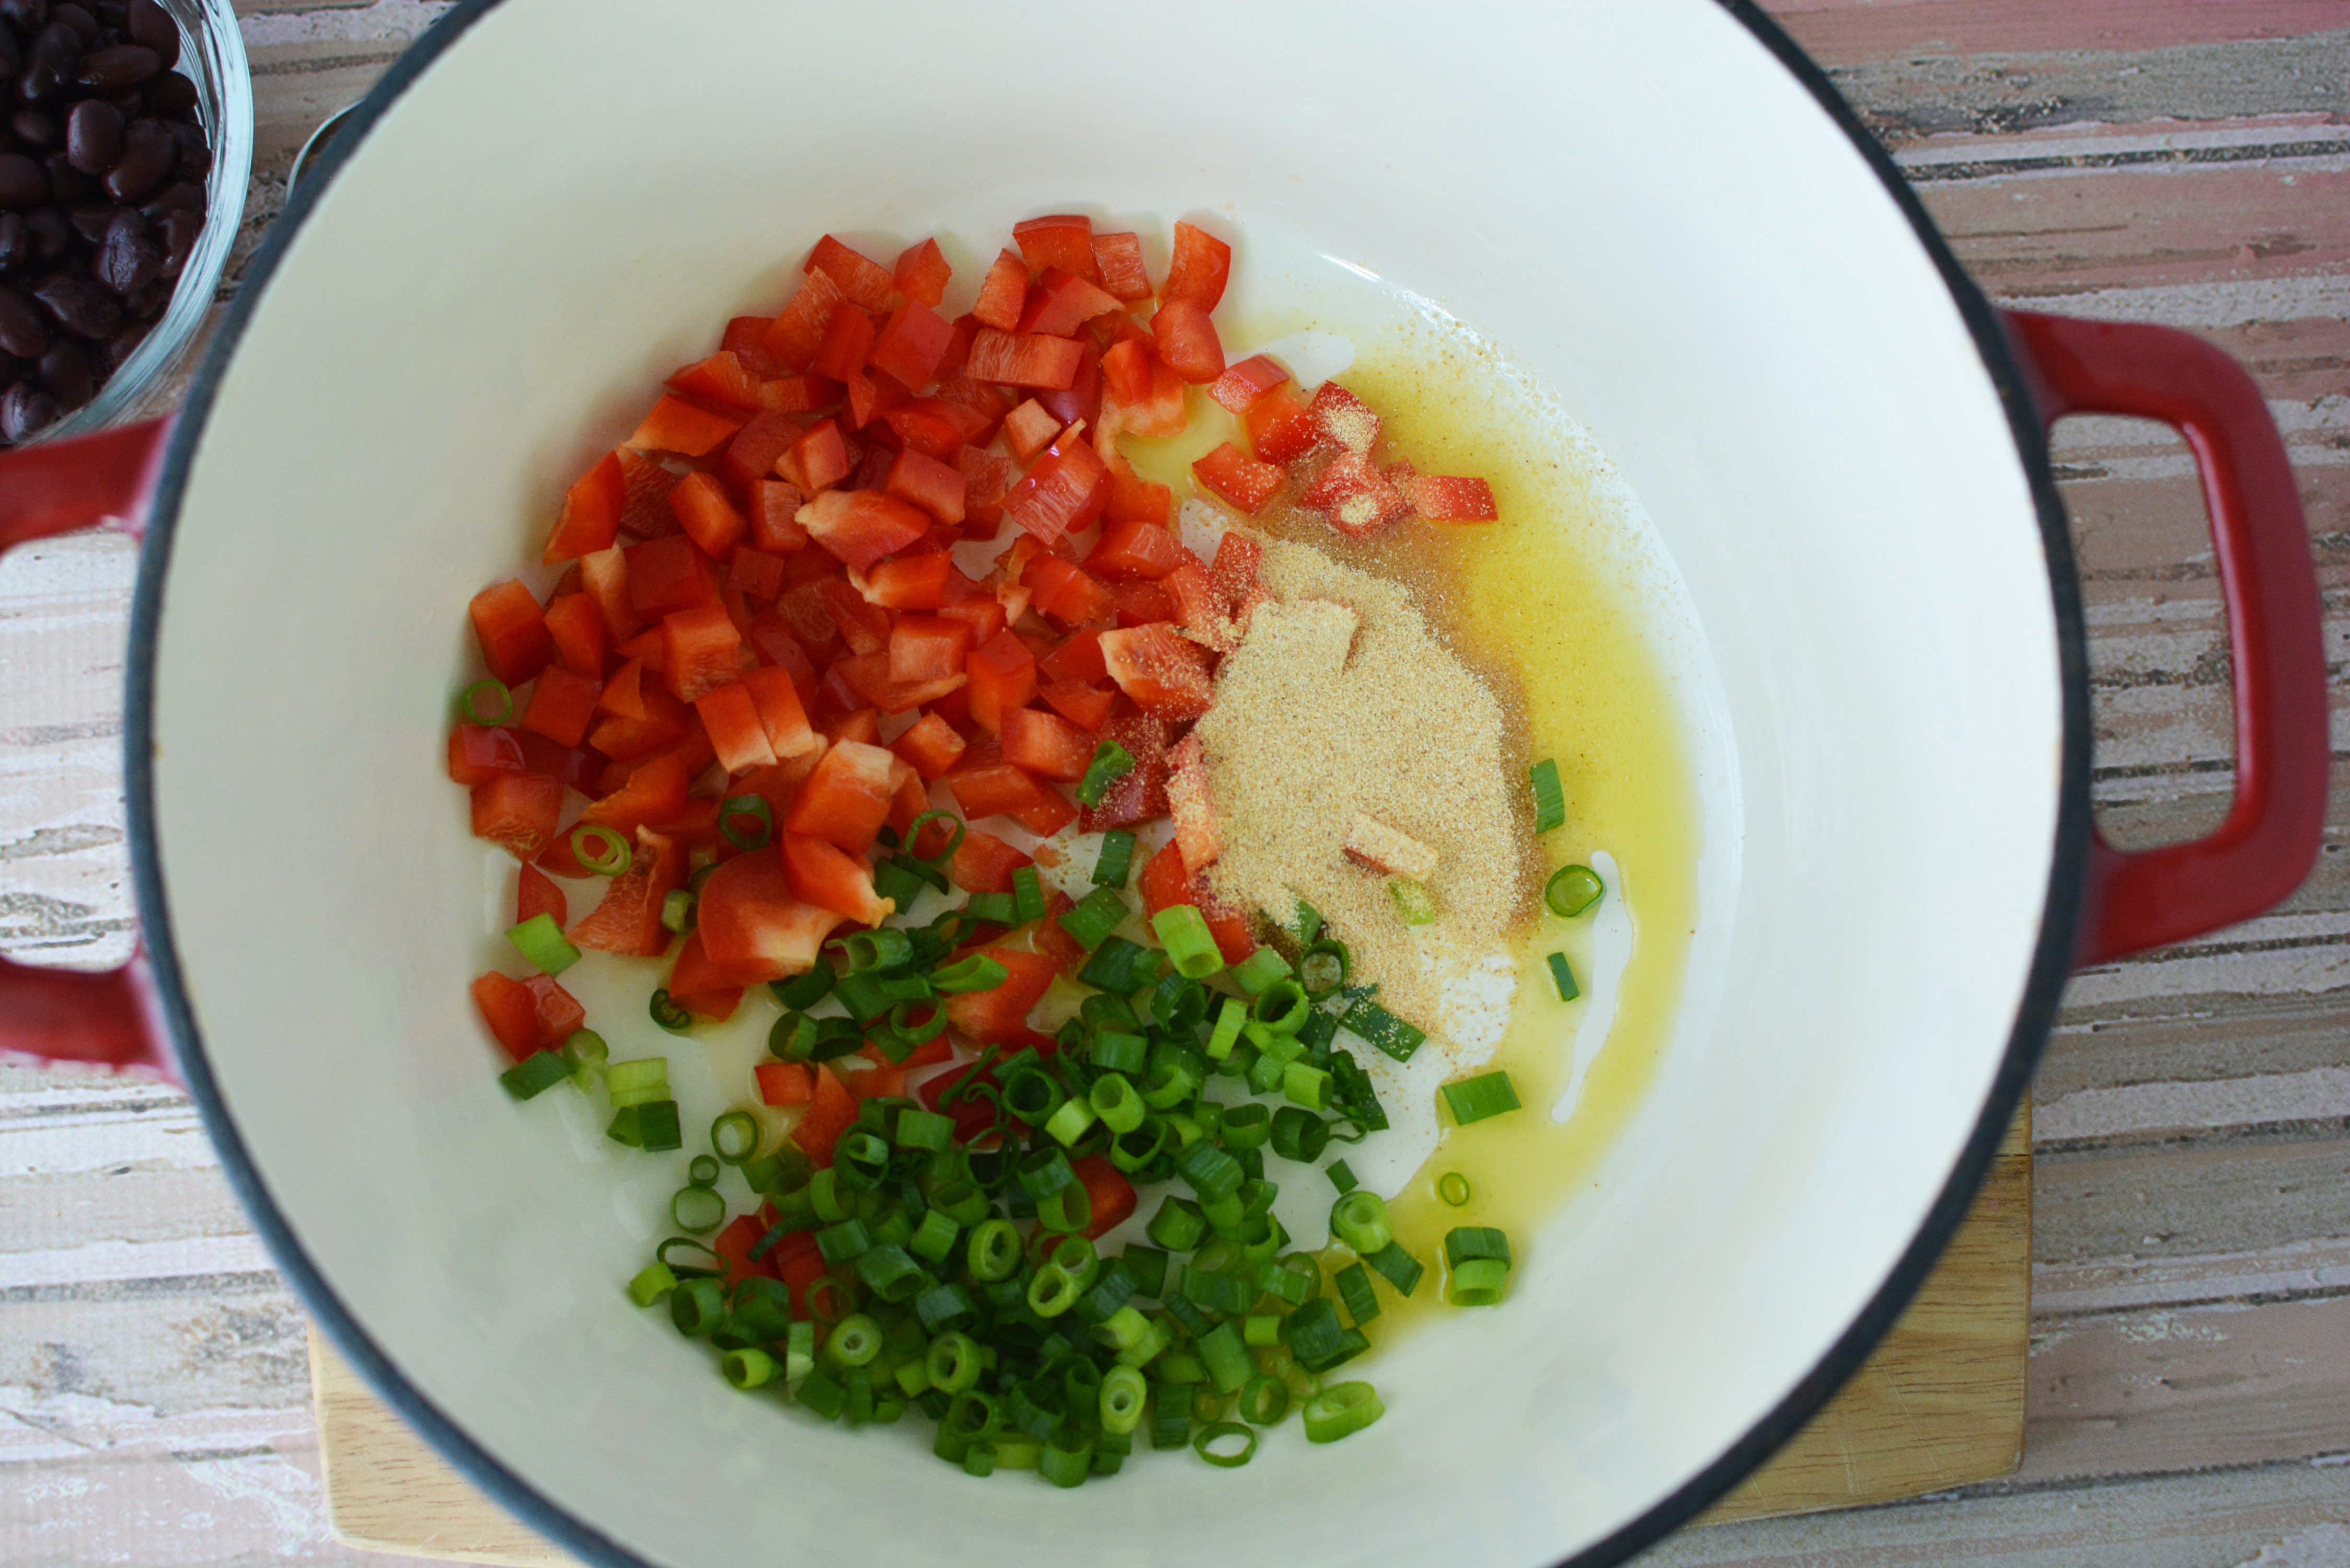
{"x":1076,"y":658}
{"x":687,"y":429}
{"x":668,"y":575}
{"x":1067,"y":594}
{"x":591,"y":513}
{"x":984,"y":863}
{"x":774,"y":517}
{"x":578,"y":628}
{"x":1081,"y":398}
{"x":910,"y":345}
{"x":1196,"y":832}
{"x":1355,"y":497}
{"x":785,"y":1082}
{"x":604,"y":578}
{"x":478,"y":752}
{"x":1280,"y":428}
{"x":707,"y":515}
{"x":1239,"y":478}
{"x":867,"y":676}
{"x":1067,"y":302}
{"x":517,"y":811}
{"x":511,"y":1012}
{"x":936,"y":487}
{"x":1344,"y":420}
{"x":775,"y":695}
{"x":1132,"y":498}
{"x":560,"y":1013}
{"x":1000,"y":1016}
{"x":993,"y":787}
{"x":861,"y":526}
{"x":798,"y":394}
{"x":847,"y":341}
{"x":847,"y":799}
{"x":826,"y":875}
{"x":832,"y":1110}
{"x":1126,"y":371}
{"x":1141,"y":602}
{"x":752,"y":926}
{"x":1024,"y":362}
{"x":1235,"y":566}
{"x":798,"y":329}
{"x":1029,"y":430}
{"x":928,"y":581}
{"x":1239,"y":388}
{"x":665,"y":726}
{"x":721,"y":380}
{"x":645,"y":483}
{"x":928,"y":647}
{"x":1227,"y":922}
{"x":701,"y":651}
{"x":731,"y":720}
{"x":512,"y":629}
{"x":700,"y":985}
{"x":751,"y":456}
{"x":1107,"y":1189}
{"x":1063,"y":494}
{"x":988,"y":478}
{"x":1002,"y":291}
{"x":746,"y":337}
{"x":628,"y":920}
{"x":1063,"y":240}
{"x":930,"y":746}
{"x":1197,"y":270}
{"x":1201,"y":613}
{"x":655,"y":791}
{"x":925,"y":425}
{"x":860,"y":277}
{"x":1135,"y":550}
{"x":1141,"y":795}
{"x":734,"y":1244}
{"x":1162,"y":673}
{"x":574,"y":767}
{"x":1187,"y":341}
{"x":1003,"y":676}
{"x":922,"y":272}
{"x":561,"y":705}
{"x":1087,"y":707}
{"x":1159,"y":409}
{"x":818,"y":460}
{"x":1166,"y":881}
{"x":755,"y":573}
{"x":1046,"y":744}
{"x":1118,"y":259}
{"x":1443,"y":498}
{"x":863,"y":624}
{"x":536,"y":895}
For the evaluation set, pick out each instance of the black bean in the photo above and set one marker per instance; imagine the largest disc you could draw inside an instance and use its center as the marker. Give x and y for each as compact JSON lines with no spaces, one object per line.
{"x":179,"y":194}
{"x":127,"y":260}
{"x":12,"y":52}
{"x":48,"y":68}
{"x":94,"y":136}
{"x":180,"y":231}
{"x":77,"y":305}
{"x":23,"y":183}
{"x":112,"y":70}
{"x":27,"y":17}
{"x":52,"y":235}
{"x":66,"y":184}
{"x":25,"y":411}
{"x":21,"y":331}
{"x":150,"y":24}
{"x":66,"y":372}
{"x":171,"y":94}
{"x":15,"y":243}
{"x":125,"y":343}
{"x":147,"y":152}
{"x":91,"y":221}
{"x":34,"y":128}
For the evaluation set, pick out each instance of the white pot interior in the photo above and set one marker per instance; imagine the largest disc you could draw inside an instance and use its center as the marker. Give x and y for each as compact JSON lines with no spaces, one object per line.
{"x":560,"y":209}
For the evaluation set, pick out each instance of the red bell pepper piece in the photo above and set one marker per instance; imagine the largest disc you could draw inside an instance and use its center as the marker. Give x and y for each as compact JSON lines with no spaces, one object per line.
{"x":511,"y":1012}
{"x":1280,"y":428}
{"x":1087,"y":707}
{"x":628,"y":920}
{"x":668,"y":574}
{"x":1064,"y":301}
{"x":931,"y":426}
{"x":928,"y":647}
{"x":832,"y":1110}
{"x":848,"y":340}
{"x":578,"y":628}
{"x":701,"y":651}
{"x":707,"y":515}
{"x":982,"y":863}
{"x":512,"y":630}
{"x":1239,"y":478}
{"x":591,"y":513}
{"x":517,"y":811}
{"x":991,"y":788}
{"x":1443,"y":498}
{"x":734,"y":1244}
{"x":1067,"y":594}
{"x":1063,"y":240}
{"x":1166,"y":881}
{"x":928,"y":581}
{"x":818,"y":460}
{"x":752,"y":926}
{"x":1003,"y":676}
{"x":1141,"y":602}
{"x":1002,"y":291}
{"x":861,"y":526}
{"x":1355,"y":497}
{"x":731,"y":720}
{"x":847,"y":799}
{"x":824,"y":875}
{"x":930,"y":746}
{"x":797,"y":330}
{"x":1000,"y":1016}
{"x":536,"y":895}
{"x":1344,"y":420}
{"x":751,"y":456}
{"x":1135,"y":549}
{"x":478,"y":752}
{"x":664,"y":727}
{"x":1239,"y":388}
{"x":910,"y":345}
{"x":1029,"y":430}
{"x":1080,"y":401}
{"x":721,"y":380}
{"x":863,"y":624}
{"x":860,"y":277}
{"x":646,"y":484}
{"x":604,"y":578}
{"x":561,"y":705}
{"x":559,"y":1012}
{"x":654,"y":791}
{"x":1187,"y":341}
{"x":1024,"y":362}
{"x":1063,"y":494}
{"x":774,"y":694}
{"x":1118,"y":259}
{"x":1197,"y":270}
{"x":774,"y":517}
{"x":686,"y":429}
{"x":1227,"y":922}
{"x":867,"y":676}
{"x":755,"y":573}
{"x":988,"y":478}
{"x":921,"y":274}
{"x":746,"y":337}
{"x":1162,"y":673}
{"x":1110,"y":1193}
{"x":700,"y":986}
{"x":785,"y":1082}
{"x":1046,"y":744}
{"x":937,"y":488}
{"x":1141,"y":795}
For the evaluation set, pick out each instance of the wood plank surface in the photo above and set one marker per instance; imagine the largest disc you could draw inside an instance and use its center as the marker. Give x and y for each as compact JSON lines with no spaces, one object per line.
{"x":2177,"y":161}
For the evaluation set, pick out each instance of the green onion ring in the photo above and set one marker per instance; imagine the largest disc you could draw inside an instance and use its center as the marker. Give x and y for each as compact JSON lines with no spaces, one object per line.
{"x":1453,"y":1187}
{"x":704,"y":1171}
{"x":687,"y":1271}
{"x":697,"y":1211}
{"x":469,"y":705}
{"x":914,"y":834}
{"x":734,"y":1137}
{"x":669,"y":1014}
{"x":1573,"y":889}
{"x":611,"y":862}
{"x":754,"y":806}
{"x":1220,"y":1431}
{"x":1319,"y":957}
{"x":834,"y":1303}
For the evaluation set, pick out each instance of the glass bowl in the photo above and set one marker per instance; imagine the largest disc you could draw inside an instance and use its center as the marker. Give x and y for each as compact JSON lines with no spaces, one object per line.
{"x":212,"y":55}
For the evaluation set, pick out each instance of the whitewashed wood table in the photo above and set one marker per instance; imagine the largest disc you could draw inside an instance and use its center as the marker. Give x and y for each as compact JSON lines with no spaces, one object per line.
{"x":2177,"y":161}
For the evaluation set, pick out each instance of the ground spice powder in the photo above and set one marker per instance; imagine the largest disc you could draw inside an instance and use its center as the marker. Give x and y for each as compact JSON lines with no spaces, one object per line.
{"x":1341,"y":700}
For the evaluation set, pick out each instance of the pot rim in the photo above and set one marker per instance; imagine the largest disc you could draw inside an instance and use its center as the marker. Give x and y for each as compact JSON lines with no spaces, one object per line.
{"x":2052,"y":960}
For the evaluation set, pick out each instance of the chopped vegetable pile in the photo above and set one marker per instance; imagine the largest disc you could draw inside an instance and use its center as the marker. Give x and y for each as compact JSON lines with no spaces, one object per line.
{"x":759,"y":684}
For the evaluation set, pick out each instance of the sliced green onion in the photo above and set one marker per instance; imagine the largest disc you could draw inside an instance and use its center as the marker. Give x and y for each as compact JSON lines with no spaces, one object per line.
{"x":1227,"y":1359}
{"x":1263,"y":1401}
{"x":1573,"y":889}
{"x":803,"y":992}
{"x":1179,"y":1226}
{"x":488,"y":701}
{"x":1354,"y":1283}
{"x":1281,"y":1007}
{"x":586,"y":1051}
{"x":1486,"y":1095}
{"x":901,"y":880}
{"x":953,"y":1362}
{"x":976,"y":973}
{"x":1027,"y":894}
{"x":1550,"y":795}
{"x":1260,"y":970}
{"x":1384,"y":1029}
{"x":1481,"y":1282}
{"x":1564,"y":977}
{"x":656,"y":1127}
{"x":1323,"y":968}
{"x":918,"y":1128}
{"x":993,"y":908}
{"x":1119,"y":966}
{"x":1095,"y":916}
{"x":1207,"y":1444}
{"x":1115,"y":1051}
{"x":1305,"y":1085}
{"x":652,"y":1282}
{"x":914,"y":837}
{"x":1067,"y":1458}
{"x":1453,"y":1187}
{"x":1413,"y":901}
{"x":1228,"y":1028}
{"x":1342,"y":1177}
{"x":1359,"y":1218}
{"x":599,"y":849}
{"x":697,"y":1211}
{"x":1299,"y":1134}
{"x":1112,"y":762}
{"x":867,"y":950}
{"x":638,"y":1082}
{"x":1114,"y":864}
{"x":534,"y":1075}
{"x":1051,"y":1291}
{"x":734,"y":1137}
{"x":668,"y":1013}
{"x":1123,"y":1392}
{"x":1340,"y":1410}
{"x":1116,"y":1102}
{"x":1032,"y":1094}
{"x":1246,"y":1126}
{"x":1184,"y":932}
{"x":1069,"y":1123}
{"x":542,"y":941}
{"x":1398,"y":1267}
{"x":855,"y":1340}
{"x":890,"y":1272}
{"x":1464,"y":1242}
{"x":677,"y":910}
{"x":994,"y":1249}
{"x":697,"y":1305}
{"x":1210,"y":1172}
{"x":704,"y":1171}
{"x":746,"y":820}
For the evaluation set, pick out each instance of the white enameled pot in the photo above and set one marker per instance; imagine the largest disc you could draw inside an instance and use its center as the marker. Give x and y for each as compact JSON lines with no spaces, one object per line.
{"x":548,"y":202}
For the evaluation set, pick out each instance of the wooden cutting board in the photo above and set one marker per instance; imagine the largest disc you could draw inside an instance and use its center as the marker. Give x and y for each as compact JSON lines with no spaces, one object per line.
{"x":1939,"y":1405}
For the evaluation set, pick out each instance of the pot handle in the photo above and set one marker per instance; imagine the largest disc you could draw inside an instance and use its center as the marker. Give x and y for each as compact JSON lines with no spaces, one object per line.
{"x":2145,"y":898}
{"x":70,"y":1015}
